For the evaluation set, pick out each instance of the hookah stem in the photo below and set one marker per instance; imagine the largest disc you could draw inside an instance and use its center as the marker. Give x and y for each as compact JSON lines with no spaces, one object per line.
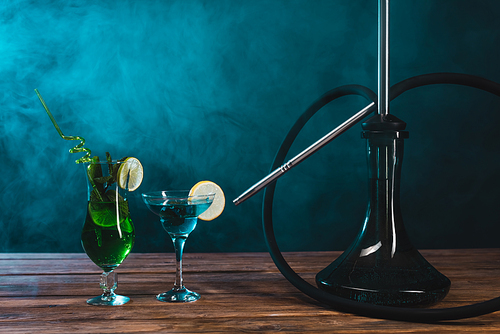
{"x":383,"y":57}
{"x":77,"y":149}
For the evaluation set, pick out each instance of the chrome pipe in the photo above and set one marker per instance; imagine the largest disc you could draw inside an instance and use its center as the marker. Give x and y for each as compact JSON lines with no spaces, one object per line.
{"x":278,"y":172}
{"x":383,"y":57}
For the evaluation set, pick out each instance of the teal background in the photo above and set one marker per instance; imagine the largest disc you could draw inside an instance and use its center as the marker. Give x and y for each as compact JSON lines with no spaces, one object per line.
{"x":208,"y":90}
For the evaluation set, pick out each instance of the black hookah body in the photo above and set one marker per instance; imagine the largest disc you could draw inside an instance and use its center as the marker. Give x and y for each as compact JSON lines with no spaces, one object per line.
{"x":390,"y":125}
{"x":381,"y":266}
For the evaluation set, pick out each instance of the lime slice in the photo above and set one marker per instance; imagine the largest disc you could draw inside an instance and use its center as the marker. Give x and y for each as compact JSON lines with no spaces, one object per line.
{"x":207,"y":187}
{"x":130,"y":174}
{"x":104,"y":213}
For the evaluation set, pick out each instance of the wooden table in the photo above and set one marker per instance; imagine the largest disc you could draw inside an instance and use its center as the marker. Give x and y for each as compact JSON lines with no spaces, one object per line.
{"x":241,"y":292}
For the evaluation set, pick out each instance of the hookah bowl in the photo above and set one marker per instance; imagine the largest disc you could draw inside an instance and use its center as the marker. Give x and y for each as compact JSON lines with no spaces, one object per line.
{"x":382,"y":266}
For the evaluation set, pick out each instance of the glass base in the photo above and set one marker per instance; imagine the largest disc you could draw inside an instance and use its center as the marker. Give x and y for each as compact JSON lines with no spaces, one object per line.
{"x":367,"y":287}
{"x":182,"y":295}
{"x":406,"y":279}
{"x":104,"y":300}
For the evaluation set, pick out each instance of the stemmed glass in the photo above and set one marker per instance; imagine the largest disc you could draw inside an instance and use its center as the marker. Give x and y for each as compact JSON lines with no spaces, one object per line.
{"x":108,"y":233}
{"x":178,"y":214}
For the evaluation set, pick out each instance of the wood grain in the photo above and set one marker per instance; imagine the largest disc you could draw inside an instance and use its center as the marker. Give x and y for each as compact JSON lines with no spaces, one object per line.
{"x":241,"y":292}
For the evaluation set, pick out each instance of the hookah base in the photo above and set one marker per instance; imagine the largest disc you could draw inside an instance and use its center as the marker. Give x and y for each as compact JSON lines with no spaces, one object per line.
{"x":416,"y":287}
{"x":402,"y":298}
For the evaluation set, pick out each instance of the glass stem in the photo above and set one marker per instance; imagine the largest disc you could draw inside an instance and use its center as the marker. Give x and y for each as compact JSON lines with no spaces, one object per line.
{"x":109,"y":282}
{"x":179,"y":248}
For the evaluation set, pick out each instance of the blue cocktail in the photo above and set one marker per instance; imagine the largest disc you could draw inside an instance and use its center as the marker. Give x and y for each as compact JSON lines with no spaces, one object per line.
{"x":178,"y":214}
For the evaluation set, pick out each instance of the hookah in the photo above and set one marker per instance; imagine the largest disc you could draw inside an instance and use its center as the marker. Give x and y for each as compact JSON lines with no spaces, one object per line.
{"x":381,"y":274}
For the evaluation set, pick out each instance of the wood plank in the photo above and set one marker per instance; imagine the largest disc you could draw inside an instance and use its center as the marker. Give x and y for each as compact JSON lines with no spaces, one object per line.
{"x":241,"y":292}
{"x":470,"y":288}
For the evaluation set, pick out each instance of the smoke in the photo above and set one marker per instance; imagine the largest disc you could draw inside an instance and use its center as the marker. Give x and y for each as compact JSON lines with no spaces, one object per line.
{"x":194,"y":89}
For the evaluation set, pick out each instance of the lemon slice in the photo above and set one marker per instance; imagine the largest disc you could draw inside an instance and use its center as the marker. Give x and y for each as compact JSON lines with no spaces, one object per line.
{"x":130,"y":174}
{"x":207,"y":187}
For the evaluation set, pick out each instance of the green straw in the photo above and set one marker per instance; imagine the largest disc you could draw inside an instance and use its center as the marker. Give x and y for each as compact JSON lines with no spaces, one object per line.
{"x":78,"y":148}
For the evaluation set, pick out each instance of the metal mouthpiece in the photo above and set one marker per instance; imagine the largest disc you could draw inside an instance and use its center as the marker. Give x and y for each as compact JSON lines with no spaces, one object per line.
{"x":278,"y":172}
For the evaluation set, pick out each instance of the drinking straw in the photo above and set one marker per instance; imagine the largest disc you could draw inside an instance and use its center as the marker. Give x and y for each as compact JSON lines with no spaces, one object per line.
{"x":78,"y":148}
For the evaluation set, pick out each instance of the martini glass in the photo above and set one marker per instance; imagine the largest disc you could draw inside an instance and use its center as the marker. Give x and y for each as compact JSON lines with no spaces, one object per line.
{"x":108,"y":232}
{"x":178,"y":214}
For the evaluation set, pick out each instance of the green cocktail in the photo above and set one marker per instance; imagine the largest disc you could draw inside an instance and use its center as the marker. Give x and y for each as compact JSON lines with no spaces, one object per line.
{"x":102,"y":242}
{"x":108,"y":233}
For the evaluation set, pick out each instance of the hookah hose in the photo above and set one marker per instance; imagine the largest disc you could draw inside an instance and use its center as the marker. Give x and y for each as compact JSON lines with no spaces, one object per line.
{"x":343,"y":304}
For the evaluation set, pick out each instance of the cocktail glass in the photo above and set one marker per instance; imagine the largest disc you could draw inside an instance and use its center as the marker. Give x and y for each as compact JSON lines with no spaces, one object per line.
{"x":108,"y":233}
{"x":178,"y":214}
